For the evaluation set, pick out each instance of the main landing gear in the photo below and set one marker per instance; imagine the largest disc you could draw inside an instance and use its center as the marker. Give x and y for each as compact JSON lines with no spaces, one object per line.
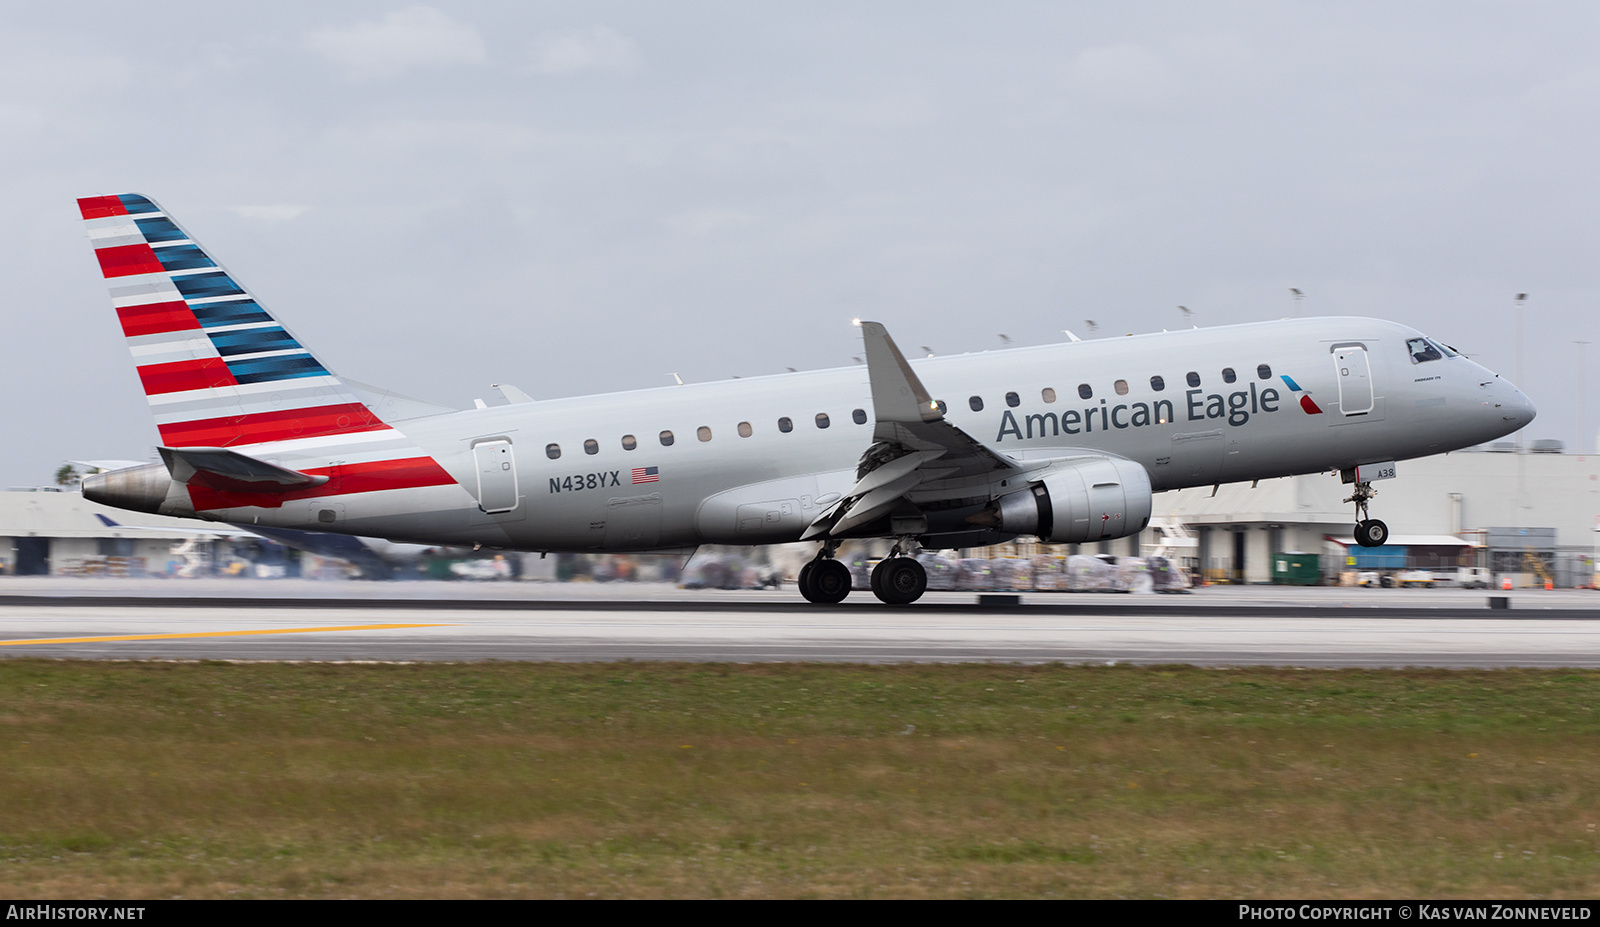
{"x":1370,"y":532}
{"x":825,"y":580}
{"x":897,"y":580}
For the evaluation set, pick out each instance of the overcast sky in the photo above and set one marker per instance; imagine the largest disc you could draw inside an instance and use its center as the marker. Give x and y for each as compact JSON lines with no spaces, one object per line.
{"x":586,"y":197}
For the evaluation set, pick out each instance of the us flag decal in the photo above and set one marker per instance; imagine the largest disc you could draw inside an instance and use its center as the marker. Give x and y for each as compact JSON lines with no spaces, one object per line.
{"x":646,"y":474}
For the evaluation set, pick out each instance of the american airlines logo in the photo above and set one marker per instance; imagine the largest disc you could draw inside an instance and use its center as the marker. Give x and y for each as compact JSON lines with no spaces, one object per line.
{"x":1235,"y":409}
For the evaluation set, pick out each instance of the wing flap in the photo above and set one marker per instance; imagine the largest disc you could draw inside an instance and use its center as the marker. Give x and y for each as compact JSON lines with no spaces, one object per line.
{"x":912,"y":445}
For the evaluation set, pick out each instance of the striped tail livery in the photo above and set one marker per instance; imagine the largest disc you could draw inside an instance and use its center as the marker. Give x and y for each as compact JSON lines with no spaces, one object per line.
{"x":248,"y":417}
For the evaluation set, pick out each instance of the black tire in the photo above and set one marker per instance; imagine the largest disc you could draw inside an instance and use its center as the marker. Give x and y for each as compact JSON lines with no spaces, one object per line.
{"x":903,"y":581}
{"x":1377,"y":533}
{"x":830,"y":582}
{"x":877,"y":577}
{"x":804,"y":582}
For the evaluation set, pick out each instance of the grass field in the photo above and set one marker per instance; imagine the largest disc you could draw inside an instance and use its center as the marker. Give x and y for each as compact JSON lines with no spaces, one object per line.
{"x":713,"y":780}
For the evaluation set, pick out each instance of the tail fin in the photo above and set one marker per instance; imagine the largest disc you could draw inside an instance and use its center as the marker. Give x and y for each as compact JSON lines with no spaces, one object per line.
{"x":218,"y":369}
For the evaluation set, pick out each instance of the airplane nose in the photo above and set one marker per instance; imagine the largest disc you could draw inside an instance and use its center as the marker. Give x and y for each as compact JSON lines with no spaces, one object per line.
{"x":1517,"y":408}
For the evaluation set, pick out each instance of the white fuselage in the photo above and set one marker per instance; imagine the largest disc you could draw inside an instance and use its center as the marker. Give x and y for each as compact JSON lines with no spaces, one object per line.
{"x":716,"y":484}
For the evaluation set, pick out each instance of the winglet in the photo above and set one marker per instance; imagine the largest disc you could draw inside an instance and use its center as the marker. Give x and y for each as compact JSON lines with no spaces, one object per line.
{"x":897,"y":394}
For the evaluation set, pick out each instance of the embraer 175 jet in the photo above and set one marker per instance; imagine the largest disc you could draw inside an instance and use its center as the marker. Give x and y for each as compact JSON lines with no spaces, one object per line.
{"x":1064,"y":441}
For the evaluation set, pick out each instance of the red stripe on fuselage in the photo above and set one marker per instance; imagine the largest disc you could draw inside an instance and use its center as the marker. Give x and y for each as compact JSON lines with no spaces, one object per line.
{"x":178,"y":376}
{"x":346,"y":418}
{"x":156,"y":318}
{"x":128,"y":260}
{"x":376,"y":476}
{"x":98,"y":207}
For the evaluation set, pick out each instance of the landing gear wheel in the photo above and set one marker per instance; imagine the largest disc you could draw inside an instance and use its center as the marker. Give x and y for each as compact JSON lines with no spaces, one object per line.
{"x":899,"y":581}
{"x":829,"y":582}
{"x":804,"y":581}
{"x":1371,"y":533}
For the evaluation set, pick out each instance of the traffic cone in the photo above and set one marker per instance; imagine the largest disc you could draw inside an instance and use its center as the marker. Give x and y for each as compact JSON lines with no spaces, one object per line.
{"x":1506,"y":584}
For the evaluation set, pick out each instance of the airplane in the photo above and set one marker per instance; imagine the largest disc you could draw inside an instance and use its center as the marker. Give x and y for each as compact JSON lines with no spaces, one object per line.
{"x":1067,"y":442}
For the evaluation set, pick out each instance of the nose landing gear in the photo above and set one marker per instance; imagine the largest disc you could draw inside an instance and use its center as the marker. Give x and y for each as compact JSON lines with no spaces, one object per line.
{"x":1370,"y":532}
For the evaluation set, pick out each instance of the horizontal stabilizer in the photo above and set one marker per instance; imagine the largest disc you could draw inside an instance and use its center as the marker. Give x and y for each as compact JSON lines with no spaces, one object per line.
{"x":220,"y":468}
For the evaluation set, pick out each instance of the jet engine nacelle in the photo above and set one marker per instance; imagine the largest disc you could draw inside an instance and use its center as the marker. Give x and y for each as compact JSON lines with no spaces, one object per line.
{"x":1089,"y":499}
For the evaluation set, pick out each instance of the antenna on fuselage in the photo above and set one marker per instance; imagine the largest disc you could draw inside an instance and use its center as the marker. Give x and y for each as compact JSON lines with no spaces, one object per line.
{"x":1070,"y":335}
{"x":1093,"y":325}
{"x":1187,"y":313}
{"x":676,"y":378}
{"x":1297,"y":297}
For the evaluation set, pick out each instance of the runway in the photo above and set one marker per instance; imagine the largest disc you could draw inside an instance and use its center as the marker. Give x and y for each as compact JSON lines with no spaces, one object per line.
{"x":402,"y":622}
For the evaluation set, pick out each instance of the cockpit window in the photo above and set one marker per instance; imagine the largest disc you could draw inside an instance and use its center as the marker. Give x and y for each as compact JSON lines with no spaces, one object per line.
{"x":1423,"y":350}
{"x":1448,"y":351}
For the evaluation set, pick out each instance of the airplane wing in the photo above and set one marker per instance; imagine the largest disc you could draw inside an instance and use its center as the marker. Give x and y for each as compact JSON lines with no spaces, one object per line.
{"x":217,"y":532}
{"x":912,"y":445}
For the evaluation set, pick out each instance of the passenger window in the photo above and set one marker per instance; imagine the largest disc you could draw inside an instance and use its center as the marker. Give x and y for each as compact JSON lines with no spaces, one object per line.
{"x":552,"y":451}
{"x":666,"y":439}
{"x":1158,"y":384}
{"x":703,"y":433}
{"x":1047,"y":394}
{"x":745,"y":430}
{"x":629,"y":442}
{"x":1264,"y":372}
{"x":1193,"y":378}
{"x":1121,"y":387}
{"x":591,"y":447}
{"x":976,"y":402}
{"x":859,"y":416}
{"x":1084,"y":392}
{"x":1228,"y":376}
{"x":1013,"y":400}
{"x":1422,"y":350}
{"x":785,"y":425}
{"x":822,"y":419}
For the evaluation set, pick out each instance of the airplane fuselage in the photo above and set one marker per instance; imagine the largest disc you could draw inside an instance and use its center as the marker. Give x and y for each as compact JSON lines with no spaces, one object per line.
{"x":1233,"y":404}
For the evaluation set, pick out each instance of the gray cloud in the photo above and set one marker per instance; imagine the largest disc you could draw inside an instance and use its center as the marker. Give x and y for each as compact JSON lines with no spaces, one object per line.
{"x":437,"y":198}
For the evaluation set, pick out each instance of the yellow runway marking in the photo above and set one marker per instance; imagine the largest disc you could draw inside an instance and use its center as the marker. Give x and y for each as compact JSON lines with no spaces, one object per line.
{"x":169,"y":637}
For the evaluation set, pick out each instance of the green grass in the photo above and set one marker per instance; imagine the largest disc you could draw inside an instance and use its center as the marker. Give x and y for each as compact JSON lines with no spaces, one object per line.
{"x":721,"y":780}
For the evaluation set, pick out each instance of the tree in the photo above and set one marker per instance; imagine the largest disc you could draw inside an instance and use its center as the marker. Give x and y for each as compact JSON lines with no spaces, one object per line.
{"x":67,"y":475}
